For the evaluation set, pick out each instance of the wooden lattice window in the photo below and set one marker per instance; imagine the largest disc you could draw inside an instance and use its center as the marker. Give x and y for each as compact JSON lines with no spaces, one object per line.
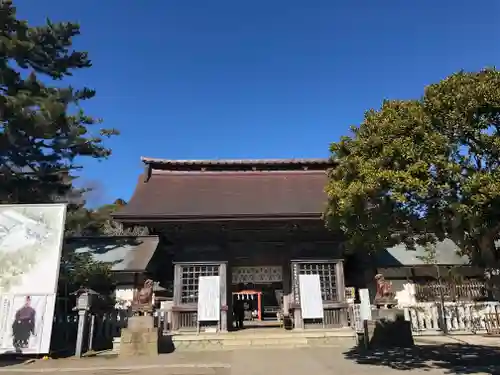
{"x":327,"y":278}
{"x":190,"y":275}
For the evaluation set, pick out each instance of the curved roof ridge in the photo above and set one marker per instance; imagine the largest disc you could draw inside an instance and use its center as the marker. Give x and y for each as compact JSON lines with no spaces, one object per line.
{"x":237,"y":164}
{"x":236,"y":172}
{"x":149,"y":160}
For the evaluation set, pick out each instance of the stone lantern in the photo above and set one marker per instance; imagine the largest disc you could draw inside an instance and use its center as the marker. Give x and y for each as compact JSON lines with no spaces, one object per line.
{"x":85,"y":298}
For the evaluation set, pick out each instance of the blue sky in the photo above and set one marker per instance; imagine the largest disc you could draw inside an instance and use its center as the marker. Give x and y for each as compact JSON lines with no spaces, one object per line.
{"x":200,"y":79}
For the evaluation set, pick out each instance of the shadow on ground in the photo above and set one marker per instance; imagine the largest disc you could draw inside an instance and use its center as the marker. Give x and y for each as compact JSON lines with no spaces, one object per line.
{"x":456,"y":358}
{"x":12,"y":359}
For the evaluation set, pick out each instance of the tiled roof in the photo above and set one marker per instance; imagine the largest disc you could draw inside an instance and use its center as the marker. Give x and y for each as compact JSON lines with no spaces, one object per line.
{"x":121,"y":253}
{"x":229,"y":193}
{"x":447,"y":253}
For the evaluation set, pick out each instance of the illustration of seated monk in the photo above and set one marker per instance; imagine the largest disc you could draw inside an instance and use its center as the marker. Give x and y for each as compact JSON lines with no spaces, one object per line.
{"x":24,"y":325}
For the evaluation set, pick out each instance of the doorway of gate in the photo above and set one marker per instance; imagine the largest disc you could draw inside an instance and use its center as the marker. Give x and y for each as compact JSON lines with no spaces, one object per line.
{"x":258,"y":292}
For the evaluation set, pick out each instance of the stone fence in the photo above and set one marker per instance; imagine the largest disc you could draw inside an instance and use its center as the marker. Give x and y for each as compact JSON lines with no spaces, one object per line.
{"x":459,"y":317}
{"x":427,"y":318}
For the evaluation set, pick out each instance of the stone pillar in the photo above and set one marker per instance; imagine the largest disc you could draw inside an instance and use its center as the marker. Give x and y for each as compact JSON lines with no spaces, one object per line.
{"x":388,"y":329}
{"x":297,"y":319}
{"x":140,"y":338}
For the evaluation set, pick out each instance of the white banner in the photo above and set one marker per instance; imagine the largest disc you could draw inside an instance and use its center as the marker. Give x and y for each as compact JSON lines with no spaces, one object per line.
{"x":365,"y":307}
{"x":209,"y":298}
{"x":311,"y":302}
{"x":30,"y":253}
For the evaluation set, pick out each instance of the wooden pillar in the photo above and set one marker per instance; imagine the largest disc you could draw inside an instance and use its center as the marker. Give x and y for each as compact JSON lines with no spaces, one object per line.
{"x":223,"y":273}
{"x":259,"y":306}
{"x":177,"y":295}
{"x":287,"y":285}
{"x":287,"y":277}
{"x":295,"y":293}
{"x":339,"y":271}
{"x":229,"y":294}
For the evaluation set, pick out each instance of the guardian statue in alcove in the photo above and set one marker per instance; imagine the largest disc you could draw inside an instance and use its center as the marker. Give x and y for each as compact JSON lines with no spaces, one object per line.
{"x":385,"y":295}
{"x":143,"y":302}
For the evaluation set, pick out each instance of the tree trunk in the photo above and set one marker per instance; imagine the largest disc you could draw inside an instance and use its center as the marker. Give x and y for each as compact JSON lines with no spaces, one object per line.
{"x":488,"y":251}
{"x":489,"y":259}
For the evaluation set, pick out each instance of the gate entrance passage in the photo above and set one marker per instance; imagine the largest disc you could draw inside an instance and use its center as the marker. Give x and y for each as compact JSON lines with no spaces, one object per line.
{"x":259,"y":291}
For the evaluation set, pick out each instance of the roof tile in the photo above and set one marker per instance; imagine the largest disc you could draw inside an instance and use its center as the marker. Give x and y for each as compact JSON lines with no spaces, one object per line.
{"x":182,"y":195}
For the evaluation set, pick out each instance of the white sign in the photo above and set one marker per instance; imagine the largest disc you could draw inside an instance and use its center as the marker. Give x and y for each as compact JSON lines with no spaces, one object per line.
{"x":311,"y":303}
{"x":365,"y":307}
{"x":209,"y":298}
{"x":30,"y":253}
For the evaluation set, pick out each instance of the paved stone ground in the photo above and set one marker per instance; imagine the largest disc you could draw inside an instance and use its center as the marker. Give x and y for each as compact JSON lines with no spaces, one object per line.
{"x":458,"y":355}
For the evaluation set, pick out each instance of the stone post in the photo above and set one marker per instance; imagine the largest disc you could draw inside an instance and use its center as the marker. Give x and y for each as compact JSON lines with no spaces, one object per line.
{"x":82,"y":317}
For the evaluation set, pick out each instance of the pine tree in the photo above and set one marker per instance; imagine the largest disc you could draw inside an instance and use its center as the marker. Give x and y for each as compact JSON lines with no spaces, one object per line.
{"x":43,"y":129}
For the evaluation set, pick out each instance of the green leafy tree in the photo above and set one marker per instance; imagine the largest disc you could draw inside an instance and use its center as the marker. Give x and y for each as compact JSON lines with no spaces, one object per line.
{"x":80,"y":269}
{"x":43,"y":128}
{"x":111,"y":227}
{"x":417,"y":171}
{"x":82,"y":221}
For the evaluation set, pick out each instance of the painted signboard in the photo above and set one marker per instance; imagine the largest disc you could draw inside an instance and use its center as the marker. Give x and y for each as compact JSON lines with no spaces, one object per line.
{"x":311,"y":303}
{"x":209,"y":298}
{"x":30,"y":253}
